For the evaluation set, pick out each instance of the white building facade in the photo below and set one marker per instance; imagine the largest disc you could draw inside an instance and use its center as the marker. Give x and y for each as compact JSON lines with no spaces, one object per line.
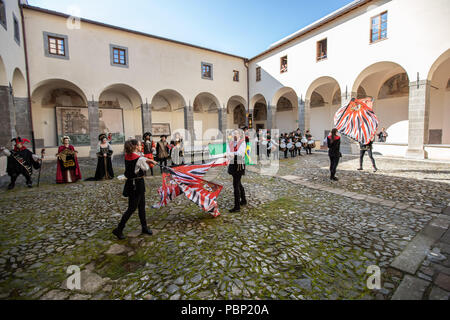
{"x":84,"y":78}
{"x":396,"y":51}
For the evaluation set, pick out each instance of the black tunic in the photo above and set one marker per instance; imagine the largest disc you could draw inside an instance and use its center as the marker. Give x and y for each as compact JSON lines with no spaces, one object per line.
{"x":135,"y":184}
{"x":100,"y":173}
{"x":14,"y":168}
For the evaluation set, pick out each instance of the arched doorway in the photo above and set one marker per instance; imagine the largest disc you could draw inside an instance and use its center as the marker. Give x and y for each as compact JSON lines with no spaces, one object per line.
{"x":259,"y":110}
{"x":168,"y":108}
{"x":236,"y":113}
{"x":286,"y":117}
{"x":323,"y":99}
{"x":120,"y":112}
{"x":388,"y":84}
{"x":439,"y":77}
{"x":59,"y":108}
{"x":206,"y":119}
{"x":3,"y":77}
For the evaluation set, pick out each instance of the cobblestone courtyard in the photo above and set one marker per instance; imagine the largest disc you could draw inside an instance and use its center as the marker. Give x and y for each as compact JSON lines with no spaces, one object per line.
{"x":300,"y":237}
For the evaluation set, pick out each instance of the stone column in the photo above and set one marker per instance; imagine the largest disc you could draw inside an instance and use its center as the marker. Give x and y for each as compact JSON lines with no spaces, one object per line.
{"x":93,"y":127}
{"x":23,"y":118}
{"x":189,"y":126}
{"x":6,"y":127}
{"x":301,"y":115}
{"x":223,"y":122}
{"x":419,"y":116}
{"x":271,"y":117}
{"x":146,"y":111}
{"x":306,"y":115}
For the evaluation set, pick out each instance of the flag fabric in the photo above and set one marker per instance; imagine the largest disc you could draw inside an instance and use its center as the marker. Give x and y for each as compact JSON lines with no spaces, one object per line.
{"x":357,"y":120}
{"x":219,"y":150}
{"x":188,"y":180}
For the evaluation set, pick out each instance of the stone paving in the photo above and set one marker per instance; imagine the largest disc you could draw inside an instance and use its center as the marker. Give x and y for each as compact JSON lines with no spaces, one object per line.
{"x":300,"y":237}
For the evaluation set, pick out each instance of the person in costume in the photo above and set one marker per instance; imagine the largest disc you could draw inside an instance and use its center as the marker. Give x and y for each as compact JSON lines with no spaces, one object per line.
{"x":134,"y":189}
{"x":309,"y":145}
{"x":334,"y":145}
{"x":21,"y":161}
{"x":176,"y":154}
{"x":236,"y":155}
{"x":67,"y":168}
{"x":104,"y":156}
{"x":382,"y":136}
{"x":363,"y":149}
{"x":162,"y":151}
{"x":149,"y":148}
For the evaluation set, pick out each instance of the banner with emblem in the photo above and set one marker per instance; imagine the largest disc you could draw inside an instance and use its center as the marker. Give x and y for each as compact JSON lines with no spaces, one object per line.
{"x":188,"y":180}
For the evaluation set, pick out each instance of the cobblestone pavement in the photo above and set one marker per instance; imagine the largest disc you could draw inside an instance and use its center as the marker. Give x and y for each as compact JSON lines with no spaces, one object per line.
{"x":297,"y":239}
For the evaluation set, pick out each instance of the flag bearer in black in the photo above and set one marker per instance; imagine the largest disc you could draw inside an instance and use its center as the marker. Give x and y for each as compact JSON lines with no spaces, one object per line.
{"x":135,"y":166}
{"x":363,"y":149}
{"x":236,"y":155}
{"x":334,"y":145}
{"x":21,"y":161}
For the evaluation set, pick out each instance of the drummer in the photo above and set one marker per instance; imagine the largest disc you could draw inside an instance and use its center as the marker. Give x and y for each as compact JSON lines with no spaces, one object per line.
{"x":298,"y":146}
{"x":283,"y":147}
{"x":291,"y":146}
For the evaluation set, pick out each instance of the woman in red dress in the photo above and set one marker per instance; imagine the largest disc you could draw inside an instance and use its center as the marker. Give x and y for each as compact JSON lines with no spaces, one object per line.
{"x":67,"y":170}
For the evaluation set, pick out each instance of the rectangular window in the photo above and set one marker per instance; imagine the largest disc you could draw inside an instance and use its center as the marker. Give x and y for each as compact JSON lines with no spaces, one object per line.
{"x":16,"y":30}
{"x":283,"y":64}
{"x":2,"y":14}
{"x":119,"y":56}
{"x":322,"y":50}
{"x":258,"y":73}
{"x":236,"y":76}
{"x":378,"y":30}
{"x":207,"y":71}
{"x":56,"y":46}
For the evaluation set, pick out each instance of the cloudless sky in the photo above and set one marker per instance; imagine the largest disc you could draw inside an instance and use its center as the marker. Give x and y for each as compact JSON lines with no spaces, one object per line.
{"x":241,"y":27}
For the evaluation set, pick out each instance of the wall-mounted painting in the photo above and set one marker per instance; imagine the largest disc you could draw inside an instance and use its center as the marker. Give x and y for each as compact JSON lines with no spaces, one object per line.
{"x":159,"y":129}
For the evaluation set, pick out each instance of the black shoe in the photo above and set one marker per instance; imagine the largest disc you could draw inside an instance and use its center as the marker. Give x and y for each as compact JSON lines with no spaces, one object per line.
{"x":243,"y":203}
{"x":360,"y":169}
{"x":30,"y":184}
{"x":235,"y":210}
{"x":375,"y":169}
{"x":118,"y":234}
{"x":147,"y":231}
{"x":11,"y":186}
{"x":334,"y":179}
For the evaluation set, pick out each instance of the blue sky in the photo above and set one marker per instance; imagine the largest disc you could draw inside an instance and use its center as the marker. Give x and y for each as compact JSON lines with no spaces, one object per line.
{"x":244,"y":28}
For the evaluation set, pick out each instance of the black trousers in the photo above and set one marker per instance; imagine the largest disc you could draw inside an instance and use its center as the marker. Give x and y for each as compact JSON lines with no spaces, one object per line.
{"x":14,"y":177}
{"x":334,"y":161}
{"x":162,"y":162}
{"x":135,"y":201}
{"x":361,"y":157}
{"x":239,"y":192}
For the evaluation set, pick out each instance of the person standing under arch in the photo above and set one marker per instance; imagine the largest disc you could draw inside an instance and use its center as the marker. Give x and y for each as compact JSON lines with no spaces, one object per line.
{"x":334,"y":146}
{"x":363,"y":149}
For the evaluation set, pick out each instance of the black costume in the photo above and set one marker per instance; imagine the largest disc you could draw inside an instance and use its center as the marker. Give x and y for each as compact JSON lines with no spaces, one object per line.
{"x":21,"y":161}
{"x":149,"y":145}
{"x":308,"y":148}
{"x":236,"y":169}
{"x":334,"y":153}
{"x":134,"y":189}
{"x":363,"y":149}
{"x":104,"y":164}
{"x":162,"y":153}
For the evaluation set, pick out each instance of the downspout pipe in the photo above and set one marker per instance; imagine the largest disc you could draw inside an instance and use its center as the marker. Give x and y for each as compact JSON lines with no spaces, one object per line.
{"x":246,"y":63}
{"x":27,"y":71}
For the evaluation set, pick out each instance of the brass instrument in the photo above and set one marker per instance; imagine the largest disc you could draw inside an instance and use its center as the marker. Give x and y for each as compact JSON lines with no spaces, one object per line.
{"x":68,"y":158}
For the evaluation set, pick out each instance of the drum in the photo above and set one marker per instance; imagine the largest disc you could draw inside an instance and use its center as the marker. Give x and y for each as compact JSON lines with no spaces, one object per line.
{"x":311,"y":143}
{"x":290,"y":146}
{"x":283,"y":146}
{"x":298,"y":145}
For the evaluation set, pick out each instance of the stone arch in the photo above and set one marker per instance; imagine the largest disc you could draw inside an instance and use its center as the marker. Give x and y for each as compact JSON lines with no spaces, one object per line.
{"x":236,"y":112}
{"x":285,"y":102}
{"x":19,"y":84}
{"x":323,"y":99}
{"x":439,"y":77}
{"x":388,"y":82}
{"x":55,"y":99}
{"x":3,"y":77}
{"x":206,"y":108}
{"x":168,"y":107}
{"x":259,"y":110}
{"x":120,"y":96}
